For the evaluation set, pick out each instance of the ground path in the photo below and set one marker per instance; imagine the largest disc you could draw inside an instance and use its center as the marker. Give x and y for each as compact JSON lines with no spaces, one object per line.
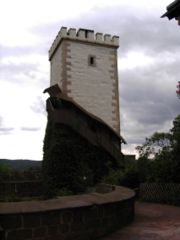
{"x":152,"y":222}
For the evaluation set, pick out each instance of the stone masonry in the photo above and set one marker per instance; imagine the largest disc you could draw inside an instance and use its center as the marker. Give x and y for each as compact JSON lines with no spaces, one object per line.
{"x":84,"y":65}
{"x":80,"y":217}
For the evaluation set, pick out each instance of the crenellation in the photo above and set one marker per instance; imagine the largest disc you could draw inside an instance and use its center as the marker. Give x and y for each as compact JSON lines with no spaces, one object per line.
{"x":107,"y":38}
{"x":83,"y":35}
{"x":72,"y":33}
{"x":99,"y":37}
{"x":115,"y":40}
{"x":63,"y":32}
{"x":90,"y":35}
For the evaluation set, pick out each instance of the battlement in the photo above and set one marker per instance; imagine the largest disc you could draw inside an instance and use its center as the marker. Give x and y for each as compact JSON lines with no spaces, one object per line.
{"x":84,"y":35}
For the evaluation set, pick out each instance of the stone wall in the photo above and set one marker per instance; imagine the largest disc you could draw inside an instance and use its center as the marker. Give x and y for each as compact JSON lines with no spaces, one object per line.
{"x":78,"y":217}
{"x":92,"y":85}
{"x":83,"y":35}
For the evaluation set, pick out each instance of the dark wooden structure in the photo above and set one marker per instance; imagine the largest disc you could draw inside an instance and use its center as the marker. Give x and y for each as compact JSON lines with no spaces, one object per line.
{"x":64,"y":110}
{"x":79,"y":148}
{"x":173,"y":11}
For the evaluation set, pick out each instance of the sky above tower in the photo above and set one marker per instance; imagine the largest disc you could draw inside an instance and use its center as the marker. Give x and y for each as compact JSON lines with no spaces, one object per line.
{"x":148,"y":66}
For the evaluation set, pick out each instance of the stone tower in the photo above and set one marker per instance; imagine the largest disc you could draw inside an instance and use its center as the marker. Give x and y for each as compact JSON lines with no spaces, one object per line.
{"x":84,"y":65}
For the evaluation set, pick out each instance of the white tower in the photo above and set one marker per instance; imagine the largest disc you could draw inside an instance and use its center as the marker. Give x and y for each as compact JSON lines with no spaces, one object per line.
{"x":84,"y":65}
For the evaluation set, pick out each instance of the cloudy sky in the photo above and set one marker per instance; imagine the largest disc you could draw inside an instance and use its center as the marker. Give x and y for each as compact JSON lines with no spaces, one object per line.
{"x":148,"y":63}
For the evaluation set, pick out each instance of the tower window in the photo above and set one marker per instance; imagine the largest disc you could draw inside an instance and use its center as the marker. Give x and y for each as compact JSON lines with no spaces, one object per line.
{"x":92,"y":61}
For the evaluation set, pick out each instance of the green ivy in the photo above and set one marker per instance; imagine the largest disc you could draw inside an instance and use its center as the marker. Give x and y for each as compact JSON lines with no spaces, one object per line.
{"x":70,"y":163}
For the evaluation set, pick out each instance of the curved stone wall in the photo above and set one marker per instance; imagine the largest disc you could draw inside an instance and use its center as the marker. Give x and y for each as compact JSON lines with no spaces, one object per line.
{"x":86,"y":216}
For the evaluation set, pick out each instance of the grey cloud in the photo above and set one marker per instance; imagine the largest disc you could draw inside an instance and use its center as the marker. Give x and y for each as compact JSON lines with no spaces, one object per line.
{"x":147,"y":94}
{"x":10,"y":72}
{"x":6,"y":51}
{"x":133,"y":29}
{"x":10,"y":68}
{"x":148,"y":101}
{"x":30,"y":129}
{"x":38,"y":106}
{"x":150,"y":32}
{"x":5,"y":131}
{"x":46,"y":32}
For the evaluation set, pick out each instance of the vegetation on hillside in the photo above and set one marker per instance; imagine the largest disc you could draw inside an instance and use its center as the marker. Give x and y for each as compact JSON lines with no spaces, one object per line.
{"x":20,"y":164}
{"x":8,"y":173}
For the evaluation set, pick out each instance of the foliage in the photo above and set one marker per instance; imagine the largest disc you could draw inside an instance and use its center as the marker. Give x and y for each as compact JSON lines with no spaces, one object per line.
{"x":176,"y":149}
{"x":127,"y":176}
{"x":5,"y":172}
{"x":33,"y":173}
{"x":9,"y":174}
{"x":158,"y":161}
{"x":60,"y":170}
{"x":114,"y":177}
{"x":155,"y":145}
{"x":130,"y":177}
{"x":162,"y":152}
{"x":21,"y":164}
{"x":70,"y":162}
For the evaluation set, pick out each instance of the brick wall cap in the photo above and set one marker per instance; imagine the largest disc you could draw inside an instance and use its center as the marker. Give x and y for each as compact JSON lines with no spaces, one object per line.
{"x":67,"y":202}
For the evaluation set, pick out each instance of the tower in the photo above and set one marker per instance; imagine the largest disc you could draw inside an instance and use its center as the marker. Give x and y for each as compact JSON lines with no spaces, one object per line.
{"x":84,"y":65}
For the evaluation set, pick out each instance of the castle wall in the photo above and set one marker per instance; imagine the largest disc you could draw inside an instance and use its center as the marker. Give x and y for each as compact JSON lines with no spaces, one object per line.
{"x":93,"y":85}
{"x":56,"y":68}
{"x":87,"y":216}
